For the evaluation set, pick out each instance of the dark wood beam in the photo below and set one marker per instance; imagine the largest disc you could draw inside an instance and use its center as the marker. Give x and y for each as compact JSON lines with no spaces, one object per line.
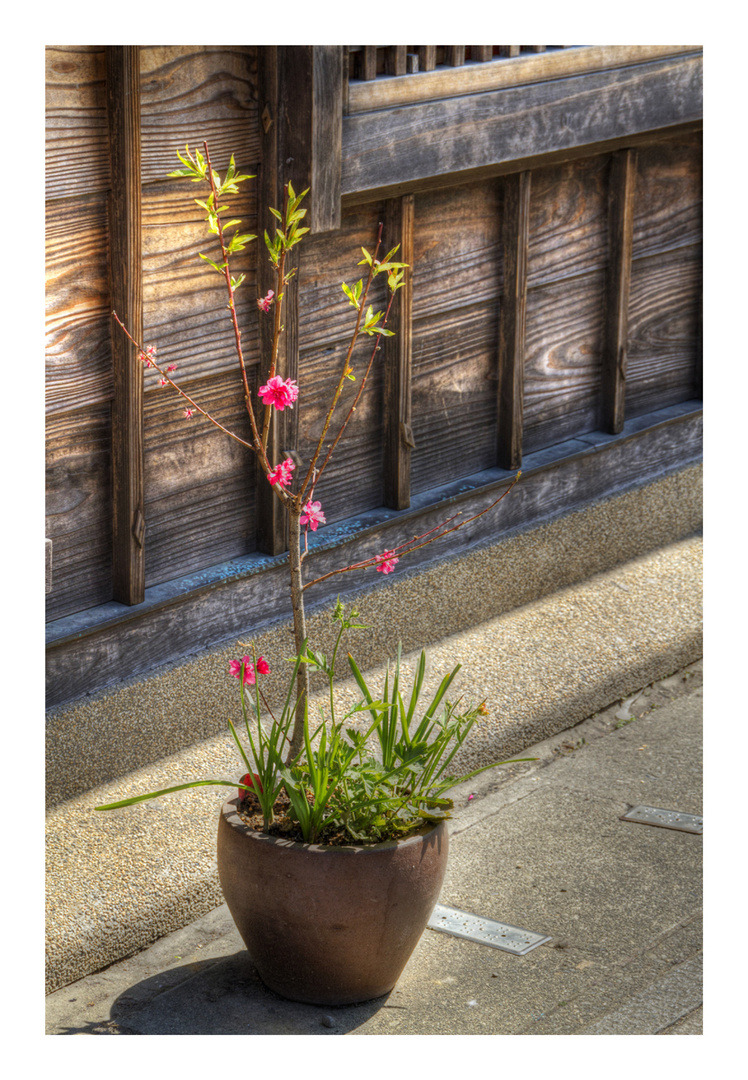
{"x":125,"y":249}
{"x":398,"y":433}
{"x":515,"y":238}
{"x":621,"y":230}
{"x":462,"y":135}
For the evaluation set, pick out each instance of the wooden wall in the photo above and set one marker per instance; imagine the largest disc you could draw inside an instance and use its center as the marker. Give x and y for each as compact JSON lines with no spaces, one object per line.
{"x":199,"y":489}
{"x":553,"y":323}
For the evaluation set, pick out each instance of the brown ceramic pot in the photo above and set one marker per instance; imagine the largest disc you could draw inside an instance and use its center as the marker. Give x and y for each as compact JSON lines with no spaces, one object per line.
{"x":329,"y":925}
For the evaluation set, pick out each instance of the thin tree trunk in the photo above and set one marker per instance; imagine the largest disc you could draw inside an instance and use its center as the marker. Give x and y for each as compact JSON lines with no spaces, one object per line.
{"x":299,"y":626}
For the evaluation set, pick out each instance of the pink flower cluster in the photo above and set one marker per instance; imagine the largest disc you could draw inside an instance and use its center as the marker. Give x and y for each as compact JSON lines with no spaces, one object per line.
{"x":235,"y":669}
{"x":147,"y":356}
{"x":313,"y":515}
{"x":281,"y":474}
{"x":279,"y":392}
{"x":266,"y":301}
{"x":387,"y":562}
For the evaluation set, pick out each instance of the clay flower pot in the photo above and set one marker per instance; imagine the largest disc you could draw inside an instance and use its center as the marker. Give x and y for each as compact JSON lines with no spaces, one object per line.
{"x":329,"y":925}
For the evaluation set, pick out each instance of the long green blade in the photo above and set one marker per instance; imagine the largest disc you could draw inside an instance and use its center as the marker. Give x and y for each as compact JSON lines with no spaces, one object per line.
{"x":166,"y":791}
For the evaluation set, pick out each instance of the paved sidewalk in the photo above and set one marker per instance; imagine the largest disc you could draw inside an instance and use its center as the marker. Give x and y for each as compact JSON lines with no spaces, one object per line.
{"x":540,"y":847}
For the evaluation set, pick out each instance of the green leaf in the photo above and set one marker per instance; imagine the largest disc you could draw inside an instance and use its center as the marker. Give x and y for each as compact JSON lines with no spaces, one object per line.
{"x":165,"y":791}
{"x":220,"y":268}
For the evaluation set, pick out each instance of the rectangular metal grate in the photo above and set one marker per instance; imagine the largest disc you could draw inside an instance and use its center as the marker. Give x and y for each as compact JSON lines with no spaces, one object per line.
{"x":665,"y":819}
{"x":498,"y":935}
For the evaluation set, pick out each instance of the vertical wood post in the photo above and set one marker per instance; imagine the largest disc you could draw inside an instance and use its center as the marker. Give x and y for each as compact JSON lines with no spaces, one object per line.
{"x":125,"y":251}
{"x":515,"y":237}
{"x":301,"y":90}
{"x":398,"y":433}
{"x":618,"y":280}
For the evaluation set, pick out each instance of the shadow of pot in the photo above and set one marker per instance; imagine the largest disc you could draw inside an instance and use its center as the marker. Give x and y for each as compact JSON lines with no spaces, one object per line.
{"x":329,"y":925}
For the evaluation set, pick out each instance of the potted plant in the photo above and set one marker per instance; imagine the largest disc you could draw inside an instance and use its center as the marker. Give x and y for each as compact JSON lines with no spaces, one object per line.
{"x":333,"y":848}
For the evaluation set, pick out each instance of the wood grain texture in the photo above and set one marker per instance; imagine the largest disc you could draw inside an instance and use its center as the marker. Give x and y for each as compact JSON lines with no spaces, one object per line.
{"x":456,"y":248}
{"x":194,"y":93}
{"x":184,"y":299}
{"x":663,"y":329}
{"x":391,"y":146}
{"x":78,"y":309}
{"x":359,"y":454}
{"x":77,"y":158}
{"x":79,"y":508}
{"x":668,"y":196}
{"x":454,"y":402}
{"x":125,"y":244}
{"x":564,"y":340}
{"x":615,"y":347}
{"x":512,"y":319}
{"x":199,"y":483}
{"x":398,"y":436}
{"x":568,"y":220}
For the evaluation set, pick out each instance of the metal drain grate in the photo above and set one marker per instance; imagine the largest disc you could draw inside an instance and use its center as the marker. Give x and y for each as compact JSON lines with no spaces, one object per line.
{"x":498,"y":935}
{"x":666,"y":819}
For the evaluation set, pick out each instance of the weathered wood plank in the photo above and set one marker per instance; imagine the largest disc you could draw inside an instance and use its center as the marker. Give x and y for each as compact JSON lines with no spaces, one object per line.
{"x":78,"y":346}
{"x":79,"y":508}
{"x":125,"y":243}
{"x":360,"y":455}
{"x":663,"y":329}
{"x":511,"y":352}
{"x":184,"y":300}
{"x":398,"y":434}
{"x":388,"y":147}
{"x":454,"y":405}
{"x":668,"y":196}
{"x":214,"y":609}
{"x":195,"y":93}
{"x":615,"y":345}
{"x":77,"y":159}
{"x":497,"y":73}
{"x":568,"y":220}
{"x":457,"y":248}
{"x":426,"y":57}
{"x":481,"y":53}
{"x":395,"y":59}
{"x":198,"y":482}
{"x":563,"y":357}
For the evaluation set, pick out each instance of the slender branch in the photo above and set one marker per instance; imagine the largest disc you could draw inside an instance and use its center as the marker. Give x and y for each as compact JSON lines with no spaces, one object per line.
{"x":356,"y":400}
{"x":407,"y":548}
{"x":258,"y":446}
{"x":186,"y":397}
{"x":277,"y":327}
{"x":346,"y":365}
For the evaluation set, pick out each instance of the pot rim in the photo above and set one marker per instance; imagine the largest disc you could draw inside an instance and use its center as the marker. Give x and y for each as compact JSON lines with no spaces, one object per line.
{"x":229,"y":811}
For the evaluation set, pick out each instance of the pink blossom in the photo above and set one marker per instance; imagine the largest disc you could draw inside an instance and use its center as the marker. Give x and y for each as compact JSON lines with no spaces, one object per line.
{"x":281,"y":474}
{"x":163,"y":382}
{"x":171,"y":367}
{"x":279,"y":392}
{"x":263,"y":668}
{"x":313,"y":515}
{"x":189,"y":413}
{"x":147,"y":356}
{"x":266,"y":301}
{"x":235,"y":669}
{"x":387,"y":562}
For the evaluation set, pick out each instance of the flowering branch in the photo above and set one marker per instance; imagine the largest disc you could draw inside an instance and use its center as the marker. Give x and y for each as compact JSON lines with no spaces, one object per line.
{"x":146,"y":355}
{"x":388,"y":557}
